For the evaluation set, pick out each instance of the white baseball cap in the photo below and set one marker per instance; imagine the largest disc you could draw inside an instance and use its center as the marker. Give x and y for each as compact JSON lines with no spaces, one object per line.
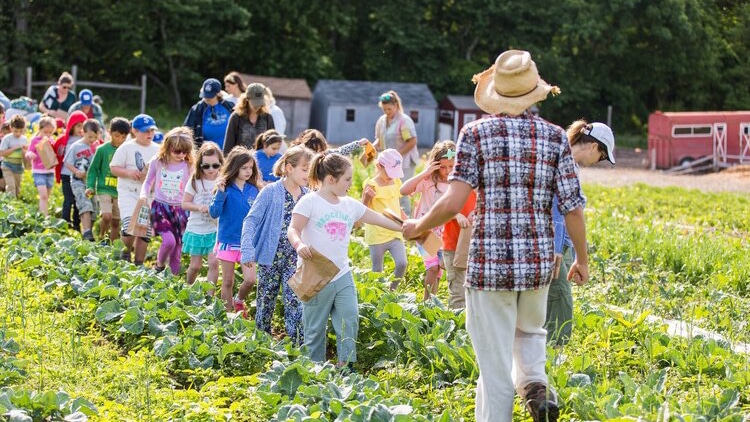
{"x":603,"y":134}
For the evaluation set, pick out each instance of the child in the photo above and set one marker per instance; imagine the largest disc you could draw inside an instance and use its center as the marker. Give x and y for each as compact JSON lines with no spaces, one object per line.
{"x":323,"y":220}
{"x":267,"y":147}
{"x":129,"y":166}
{"x":76,"y":164}
{"x":44,"y":178}
{"x":264,"y":241}
{"x":101,"y":182}
{"x":379,"y":193}
{"x":314,"y":139}
{"x":12,"y":149}
{"x":200,"y":233}
{"x":236,"y":190}
{"x":73,"y":132}
{"x":431,"y":183}
{"x":168,"y":173}
{"x":457,"y":276}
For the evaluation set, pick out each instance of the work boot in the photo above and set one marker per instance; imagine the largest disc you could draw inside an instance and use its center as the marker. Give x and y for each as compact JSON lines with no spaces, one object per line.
{"x":541,"y":402}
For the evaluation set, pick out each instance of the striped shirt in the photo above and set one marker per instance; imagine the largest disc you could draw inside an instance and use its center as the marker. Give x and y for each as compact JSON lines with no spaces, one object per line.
{"x":516,"y":164}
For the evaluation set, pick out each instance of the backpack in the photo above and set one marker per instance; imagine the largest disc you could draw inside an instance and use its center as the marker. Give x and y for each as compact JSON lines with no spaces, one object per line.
{"x":29,"y":105}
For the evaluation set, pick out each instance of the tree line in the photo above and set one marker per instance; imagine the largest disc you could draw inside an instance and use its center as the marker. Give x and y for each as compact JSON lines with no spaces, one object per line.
{"x":636,"y":55}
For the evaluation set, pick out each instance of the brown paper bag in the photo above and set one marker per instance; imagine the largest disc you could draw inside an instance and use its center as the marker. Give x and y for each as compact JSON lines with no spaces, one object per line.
{"x":368,"y":155}
{"x":461,"y":257}
{"x":140,"y":220}
{"x":312,"y":276}
{"x":46,"y":154}
{"x":429,"y":241}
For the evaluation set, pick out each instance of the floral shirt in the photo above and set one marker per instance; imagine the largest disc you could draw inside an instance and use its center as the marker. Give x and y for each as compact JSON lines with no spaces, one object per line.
{"x":516,"y":164}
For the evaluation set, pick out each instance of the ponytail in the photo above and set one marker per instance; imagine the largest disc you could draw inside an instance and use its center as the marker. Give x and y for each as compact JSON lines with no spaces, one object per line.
{"x":327,"y":164}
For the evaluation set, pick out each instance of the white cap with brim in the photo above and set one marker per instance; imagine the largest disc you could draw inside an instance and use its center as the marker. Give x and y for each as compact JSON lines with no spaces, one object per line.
{"x":603,"y":134}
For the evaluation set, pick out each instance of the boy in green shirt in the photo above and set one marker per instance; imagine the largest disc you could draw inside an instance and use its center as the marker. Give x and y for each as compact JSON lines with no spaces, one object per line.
{"x":103,"y":184}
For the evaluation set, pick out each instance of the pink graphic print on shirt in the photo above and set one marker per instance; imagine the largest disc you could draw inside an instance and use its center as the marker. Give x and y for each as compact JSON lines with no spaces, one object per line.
{"x":336,"y":230}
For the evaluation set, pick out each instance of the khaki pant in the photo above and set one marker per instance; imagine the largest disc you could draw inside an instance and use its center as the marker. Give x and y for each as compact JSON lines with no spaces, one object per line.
{"x":12,"y":182}
{"x":456,"y":278}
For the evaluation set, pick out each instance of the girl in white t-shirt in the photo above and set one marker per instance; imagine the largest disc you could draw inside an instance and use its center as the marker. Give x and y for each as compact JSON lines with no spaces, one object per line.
{"x":323,"y":220}
{"x":200,"y":233}
{"x":431,"y":183}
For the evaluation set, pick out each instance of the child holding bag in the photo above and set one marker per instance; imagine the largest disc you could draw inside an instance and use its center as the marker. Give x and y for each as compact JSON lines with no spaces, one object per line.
{"x":323,"y":220}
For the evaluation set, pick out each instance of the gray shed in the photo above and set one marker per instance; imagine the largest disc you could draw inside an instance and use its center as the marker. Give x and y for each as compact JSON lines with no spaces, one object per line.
{"x":348,"y":110}
{"x":293,"y":98}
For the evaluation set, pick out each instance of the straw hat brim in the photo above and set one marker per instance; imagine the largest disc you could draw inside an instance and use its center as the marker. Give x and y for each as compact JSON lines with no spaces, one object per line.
{"x":491,"y":102}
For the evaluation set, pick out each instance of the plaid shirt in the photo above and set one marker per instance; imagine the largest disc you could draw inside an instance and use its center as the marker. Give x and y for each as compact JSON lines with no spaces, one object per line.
{"x":516,"y":164}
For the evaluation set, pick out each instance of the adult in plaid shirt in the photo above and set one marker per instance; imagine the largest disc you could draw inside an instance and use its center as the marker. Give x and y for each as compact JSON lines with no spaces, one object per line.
{"x":516,"y":162}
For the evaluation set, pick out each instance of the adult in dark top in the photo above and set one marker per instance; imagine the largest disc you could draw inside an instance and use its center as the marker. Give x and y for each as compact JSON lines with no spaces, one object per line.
{"x":59,"y":97}
{"x":251,"y":117}
{"x":209,"y":117}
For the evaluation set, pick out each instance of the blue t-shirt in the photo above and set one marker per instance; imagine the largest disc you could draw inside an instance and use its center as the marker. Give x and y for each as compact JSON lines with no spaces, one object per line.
{"x":215,"y":119}
{"x":265,"y":164}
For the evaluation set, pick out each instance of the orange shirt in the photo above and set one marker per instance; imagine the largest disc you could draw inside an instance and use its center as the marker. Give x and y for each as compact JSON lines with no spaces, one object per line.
{"x":452,"y":229}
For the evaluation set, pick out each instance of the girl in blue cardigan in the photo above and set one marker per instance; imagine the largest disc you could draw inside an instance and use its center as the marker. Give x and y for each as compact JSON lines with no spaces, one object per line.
{"x":264,"y":241}
{"x":236,"y":190}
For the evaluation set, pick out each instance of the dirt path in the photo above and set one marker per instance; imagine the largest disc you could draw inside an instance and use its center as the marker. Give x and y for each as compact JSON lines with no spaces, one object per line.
{"x":631,"y":168}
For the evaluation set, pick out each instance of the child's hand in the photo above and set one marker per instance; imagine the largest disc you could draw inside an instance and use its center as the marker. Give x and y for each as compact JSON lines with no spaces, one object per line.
{"x":433,"y":167}
{"x":204,"y":209}
{"x":30,"y":155}
{"x":80,"y":174}
{"x":303,"y":251}
{"x":367,"y":194}
{"x":462,"y":221}
{"x":135,"y":175}
{"x":220,"y":186}
{"x":364,"y":141}
{"x":89,"y":192}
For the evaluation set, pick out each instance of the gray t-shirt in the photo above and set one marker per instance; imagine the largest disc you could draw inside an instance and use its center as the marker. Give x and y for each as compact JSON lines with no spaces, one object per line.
{"x":79,"y":155}
{"x":10,"y":142}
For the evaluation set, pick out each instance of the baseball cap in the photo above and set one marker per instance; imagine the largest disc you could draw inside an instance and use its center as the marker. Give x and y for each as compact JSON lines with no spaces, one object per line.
{"x":211,"y":88}
{"x":603,"y":134}
{"x":390,"y":159}
{"x":256,"y":94}
{"x":86,"y":97}
{"x":143,"y":122}
{"x":158,"y":137}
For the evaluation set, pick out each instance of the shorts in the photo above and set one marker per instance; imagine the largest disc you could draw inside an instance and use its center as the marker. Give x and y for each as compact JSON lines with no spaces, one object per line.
{"x":229,"y":253}
{"x":44,"y":179}
{"x":195,"y":244}
{"x":125,"y":223}
{"x":83,"y":202}
{"x":109,"y":205}
{"x":430,"y":261}
{"x":12,"y":168}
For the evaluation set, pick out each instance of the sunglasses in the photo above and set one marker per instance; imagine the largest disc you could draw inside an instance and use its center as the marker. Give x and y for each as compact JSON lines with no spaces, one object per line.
{"x":214,"y":166}
{"x":65,"y":86}
{"x":180,"y":152}
{"x":229,"y":83}
{"x":385,"y":98}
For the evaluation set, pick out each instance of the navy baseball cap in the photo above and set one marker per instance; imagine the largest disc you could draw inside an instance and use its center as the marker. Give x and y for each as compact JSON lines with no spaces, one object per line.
{"x":143,"y":123}
{"x":158,"y":137}
{"x":211,"y":88}
{"x":86,"y":97}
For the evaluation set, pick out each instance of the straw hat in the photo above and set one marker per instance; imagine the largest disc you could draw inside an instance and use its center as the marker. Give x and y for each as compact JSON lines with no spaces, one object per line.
{"x":511,"y":85}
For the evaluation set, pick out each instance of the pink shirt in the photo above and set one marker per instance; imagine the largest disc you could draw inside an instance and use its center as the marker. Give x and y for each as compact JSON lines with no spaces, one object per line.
{"x":168,"y":181}
{"x":36,"y":162}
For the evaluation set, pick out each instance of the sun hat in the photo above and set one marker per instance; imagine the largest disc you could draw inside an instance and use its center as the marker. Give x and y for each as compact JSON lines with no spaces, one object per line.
{"x":256,"y":94}
{"x":86,"y":97}
{"x":391,"y":159}
{"x":511,"y":85}
{"x":602,"y":134}
{"x":211,"y":88}
{"x":143,"y":123}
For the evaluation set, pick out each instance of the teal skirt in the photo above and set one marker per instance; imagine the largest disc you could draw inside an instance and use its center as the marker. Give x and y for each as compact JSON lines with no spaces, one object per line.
{"x":198,"y":244}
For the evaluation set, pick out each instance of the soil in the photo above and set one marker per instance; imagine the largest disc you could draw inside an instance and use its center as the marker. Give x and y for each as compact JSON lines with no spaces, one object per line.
{"x":632,"y":167}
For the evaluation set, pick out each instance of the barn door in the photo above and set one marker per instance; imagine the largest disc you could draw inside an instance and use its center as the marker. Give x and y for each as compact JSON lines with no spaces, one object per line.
{"x":720,"y":143}
{"x":744,"y":142}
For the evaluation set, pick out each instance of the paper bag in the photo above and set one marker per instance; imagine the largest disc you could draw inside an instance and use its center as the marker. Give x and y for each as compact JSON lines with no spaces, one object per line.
{"x":46,"y":153}
{"x":312,"y":276}
{"x":429,"y":240}
{"x":368,"y":155}
{"x":140,"y":220}
{"x":461,"y":257}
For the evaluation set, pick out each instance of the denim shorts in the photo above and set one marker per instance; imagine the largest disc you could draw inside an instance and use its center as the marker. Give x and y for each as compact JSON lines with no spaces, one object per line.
{"x":44,"y":179}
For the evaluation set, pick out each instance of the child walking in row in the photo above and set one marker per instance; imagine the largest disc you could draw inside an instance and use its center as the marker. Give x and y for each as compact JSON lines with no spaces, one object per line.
{"x":267,"y":147}
{"x":323,"y":220}
{"x":12,"y":149}
{"x":102,"y":184}
{"x":76,"y":164}
{"x":236,"y":190}
{"x":200,"y":232}
{"x":44,"y":178}
{"x":380,"y":193}
{"x":431,"y":183}
{"x":73,"y":132}
{"x":167,"y":176}
{"x":264,"y":241}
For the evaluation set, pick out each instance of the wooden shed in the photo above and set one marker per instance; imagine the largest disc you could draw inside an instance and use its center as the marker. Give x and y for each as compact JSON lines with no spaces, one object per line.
{"x":348,"y":110}
{"x":294,"y":98}
{"x":454,"y":112}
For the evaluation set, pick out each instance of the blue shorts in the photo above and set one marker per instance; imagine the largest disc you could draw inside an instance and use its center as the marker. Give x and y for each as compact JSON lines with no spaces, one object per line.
{"x":44,"y":179}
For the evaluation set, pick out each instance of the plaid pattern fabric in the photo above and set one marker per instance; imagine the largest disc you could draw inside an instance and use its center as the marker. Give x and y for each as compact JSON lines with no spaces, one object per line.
{"x":516,"y":164}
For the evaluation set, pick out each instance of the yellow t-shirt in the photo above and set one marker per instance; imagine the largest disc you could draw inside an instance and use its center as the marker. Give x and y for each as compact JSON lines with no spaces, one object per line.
{"x":385,"y":197}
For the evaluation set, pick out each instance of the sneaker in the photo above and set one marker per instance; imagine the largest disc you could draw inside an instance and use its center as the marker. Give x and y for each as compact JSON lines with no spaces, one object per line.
{"x":159,"y":269}
{"x":239,"y":306}
{"x":125,"y":256}
{"x":541,"y":402}
{"x":87,"y":235}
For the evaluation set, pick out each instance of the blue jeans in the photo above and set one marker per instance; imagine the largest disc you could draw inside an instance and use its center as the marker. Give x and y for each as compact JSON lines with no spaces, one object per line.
{"x":339,"y":300}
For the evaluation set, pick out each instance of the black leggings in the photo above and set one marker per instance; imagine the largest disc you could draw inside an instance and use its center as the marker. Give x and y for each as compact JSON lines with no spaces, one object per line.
{"x":69,"y":203}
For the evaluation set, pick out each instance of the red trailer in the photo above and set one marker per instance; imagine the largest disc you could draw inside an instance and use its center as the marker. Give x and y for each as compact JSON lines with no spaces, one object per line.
{"x":717,"y":138}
